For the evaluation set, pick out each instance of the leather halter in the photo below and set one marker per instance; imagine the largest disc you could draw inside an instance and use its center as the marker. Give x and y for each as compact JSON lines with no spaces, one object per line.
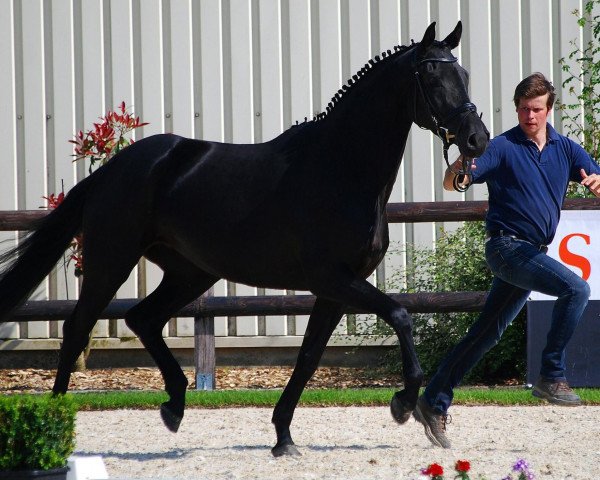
{"x":441,"y":124}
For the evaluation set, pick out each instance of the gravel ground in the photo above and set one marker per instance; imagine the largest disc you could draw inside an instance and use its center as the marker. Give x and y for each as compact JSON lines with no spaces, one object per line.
{"x":343,"y":443}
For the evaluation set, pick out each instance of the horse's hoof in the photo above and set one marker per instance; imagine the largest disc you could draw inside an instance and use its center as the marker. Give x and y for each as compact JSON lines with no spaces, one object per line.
{"x":401,"y":411}
{"x":287,"y":449}
{"x":170,"y":420}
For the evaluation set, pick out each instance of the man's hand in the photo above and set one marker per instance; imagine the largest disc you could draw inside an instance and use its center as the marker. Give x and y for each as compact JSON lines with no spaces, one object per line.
{"x":449,"y":175}
{"x":592,"y":182}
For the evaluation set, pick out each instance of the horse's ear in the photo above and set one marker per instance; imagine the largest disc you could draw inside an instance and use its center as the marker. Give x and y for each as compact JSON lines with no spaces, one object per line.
{"x":428,"y":38}
{"x":453,"y":39}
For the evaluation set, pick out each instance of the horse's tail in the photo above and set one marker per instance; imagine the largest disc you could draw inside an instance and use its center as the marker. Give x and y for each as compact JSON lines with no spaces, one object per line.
{"x":25,"y":266}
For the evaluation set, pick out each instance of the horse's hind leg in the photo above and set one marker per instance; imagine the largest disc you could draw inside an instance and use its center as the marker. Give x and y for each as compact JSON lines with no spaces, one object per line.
{"x":98,"y":288}
{"x":181,"y":284}
{"x":323,"y":320}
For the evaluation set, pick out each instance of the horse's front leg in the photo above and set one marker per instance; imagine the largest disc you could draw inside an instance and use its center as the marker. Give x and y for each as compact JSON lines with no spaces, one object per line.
{"x":323,"y":320}
{"x":404,"y":401}
{"x":359,"y":293}
{"x":147,"y":320}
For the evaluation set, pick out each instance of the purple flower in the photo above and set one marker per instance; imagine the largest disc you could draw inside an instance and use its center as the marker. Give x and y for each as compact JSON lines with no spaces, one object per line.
{"x":522,"y":467}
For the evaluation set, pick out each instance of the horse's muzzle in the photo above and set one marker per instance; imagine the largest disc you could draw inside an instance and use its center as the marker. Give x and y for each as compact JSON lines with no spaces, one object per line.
{"x":475,"y":140}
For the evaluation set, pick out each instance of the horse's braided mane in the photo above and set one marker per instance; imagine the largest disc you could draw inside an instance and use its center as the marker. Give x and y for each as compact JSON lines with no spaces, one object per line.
{"x":368,"y":68}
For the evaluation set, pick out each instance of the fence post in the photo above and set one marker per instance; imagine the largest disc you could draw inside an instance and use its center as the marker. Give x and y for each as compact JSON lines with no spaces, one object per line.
{"x":204,"y":348}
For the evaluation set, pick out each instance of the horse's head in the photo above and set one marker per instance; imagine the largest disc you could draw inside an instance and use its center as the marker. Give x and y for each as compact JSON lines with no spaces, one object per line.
{"x":442,"y":102}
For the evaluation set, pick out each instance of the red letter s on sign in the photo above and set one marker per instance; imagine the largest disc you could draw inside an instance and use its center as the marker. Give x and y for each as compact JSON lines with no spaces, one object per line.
{"x":572,"y":259}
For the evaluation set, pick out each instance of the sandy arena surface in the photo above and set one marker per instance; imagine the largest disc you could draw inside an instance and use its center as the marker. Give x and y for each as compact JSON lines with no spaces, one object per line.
{"x":343,"y":443}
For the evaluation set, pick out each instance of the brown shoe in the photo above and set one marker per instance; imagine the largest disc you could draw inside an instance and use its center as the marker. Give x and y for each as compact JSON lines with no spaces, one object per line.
{"x":434,"y":423}
{"x":558,"y":392}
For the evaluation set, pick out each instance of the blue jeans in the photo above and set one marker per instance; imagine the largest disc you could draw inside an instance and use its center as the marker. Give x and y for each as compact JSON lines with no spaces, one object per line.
{"x":518,"y":267}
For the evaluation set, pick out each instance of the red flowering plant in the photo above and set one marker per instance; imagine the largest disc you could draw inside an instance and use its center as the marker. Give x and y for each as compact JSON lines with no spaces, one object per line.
{"x":462,"y":467}
{"x":107,"y":138}
{"x":98,"y":145}
{"x":76,"y":245}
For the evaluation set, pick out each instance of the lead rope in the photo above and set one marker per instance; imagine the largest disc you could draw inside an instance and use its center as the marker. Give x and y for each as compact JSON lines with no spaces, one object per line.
{"x":465,"y":170}
{"x":459,"y":176}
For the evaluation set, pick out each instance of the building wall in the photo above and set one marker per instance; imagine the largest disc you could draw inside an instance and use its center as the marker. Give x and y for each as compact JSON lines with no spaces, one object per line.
{"x":238,"y":71}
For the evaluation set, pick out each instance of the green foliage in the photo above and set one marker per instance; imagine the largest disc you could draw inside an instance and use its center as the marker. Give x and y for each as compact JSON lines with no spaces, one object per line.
{"x":36,"y":432}
{"x":582,"y":68}
{"x":457,"y":263}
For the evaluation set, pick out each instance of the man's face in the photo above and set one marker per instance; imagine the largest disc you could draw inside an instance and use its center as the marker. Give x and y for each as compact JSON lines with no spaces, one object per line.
{"x":533,"y":114}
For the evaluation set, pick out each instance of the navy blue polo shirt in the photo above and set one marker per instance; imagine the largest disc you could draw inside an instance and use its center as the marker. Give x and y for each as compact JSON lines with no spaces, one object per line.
{"x":527,"y":187}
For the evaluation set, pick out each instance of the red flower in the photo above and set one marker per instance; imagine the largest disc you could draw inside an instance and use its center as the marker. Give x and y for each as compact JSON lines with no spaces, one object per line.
{"x":77,"y":258}
{"x":462,"y":467}
{"x":54,"y":200}
{"x":107,"y":137}
{"x":434,"y":470}
{"x":77,"y":244}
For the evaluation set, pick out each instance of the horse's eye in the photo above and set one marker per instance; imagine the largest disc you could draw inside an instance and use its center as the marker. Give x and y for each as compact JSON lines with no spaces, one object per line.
{"x":435,"y":82}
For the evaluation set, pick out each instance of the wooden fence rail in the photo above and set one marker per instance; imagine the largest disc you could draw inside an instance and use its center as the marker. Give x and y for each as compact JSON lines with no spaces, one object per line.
{"x":205,"y":308}
{"x":413,"y":212}
{"x":424,"y":302}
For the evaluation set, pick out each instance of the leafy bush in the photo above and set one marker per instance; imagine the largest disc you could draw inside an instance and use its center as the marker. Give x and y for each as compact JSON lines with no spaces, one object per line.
{"x":582,"y":72}
{"x":36,"y":432}
{"x":581,"y":118}
{"x":457,"y":263}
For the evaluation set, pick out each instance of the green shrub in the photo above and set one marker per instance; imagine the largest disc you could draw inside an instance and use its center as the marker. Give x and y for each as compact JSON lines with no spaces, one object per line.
{"x":581,"y":69}
{"x":457,"y":263}
{"x":37,"y":432}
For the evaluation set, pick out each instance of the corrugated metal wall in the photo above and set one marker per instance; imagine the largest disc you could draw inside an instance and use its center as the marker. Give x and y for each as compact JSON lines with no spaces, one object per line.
{"x":237,"y":71}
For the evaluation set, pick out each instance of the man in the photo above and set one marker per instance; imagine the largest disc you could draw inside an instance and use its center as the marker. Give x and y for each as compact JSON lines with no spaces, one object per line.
{"x":527,"y":170}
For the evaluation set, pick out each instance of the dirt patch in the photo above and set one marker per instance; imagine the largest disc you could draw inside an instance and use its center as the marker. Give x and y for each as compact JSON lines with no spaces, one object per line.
{"x":39,"y":380}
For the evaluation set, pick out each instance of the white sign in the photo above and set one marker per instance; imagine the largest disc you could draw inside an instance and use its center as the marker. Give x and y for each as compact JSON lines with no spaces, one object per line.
{"x":577,"y":246}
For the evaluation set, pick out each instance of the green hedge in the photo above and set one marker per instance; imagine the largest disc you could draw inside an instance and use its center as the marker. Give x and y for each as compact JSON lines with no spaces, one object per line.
{"x":37,"y":432}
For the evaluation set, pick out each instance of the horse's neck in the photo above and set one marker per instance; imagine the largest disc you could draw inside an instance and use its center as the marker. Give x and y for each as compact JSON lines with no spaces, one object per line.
{"x":370,"y":128}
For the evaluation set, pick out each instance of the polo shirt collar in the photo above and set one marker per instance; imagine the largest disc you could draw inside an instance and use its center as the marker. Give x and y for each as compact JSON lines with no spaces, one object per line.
{"x":551,"y":137}
{"x":552,"y":134}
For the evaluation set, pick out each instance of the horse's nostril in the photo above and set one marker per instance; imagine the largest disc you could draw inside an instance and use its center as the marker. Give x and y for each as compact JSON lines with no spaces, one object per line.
{"x":473,"y":140}
{"x":478,"y":140}
{"x":476,"y":143}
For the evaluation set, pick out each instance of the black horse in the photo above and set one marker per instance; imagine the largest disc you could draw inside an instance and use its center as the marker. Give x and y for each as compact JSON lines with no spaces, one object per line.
{"x":304,"y":211}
